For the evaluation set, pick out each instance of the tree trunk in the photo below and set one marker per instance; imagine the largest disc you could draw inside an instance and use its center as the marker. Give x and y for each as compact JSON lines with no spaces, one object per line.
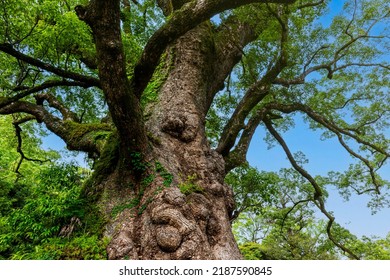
{"x":179,"y":207}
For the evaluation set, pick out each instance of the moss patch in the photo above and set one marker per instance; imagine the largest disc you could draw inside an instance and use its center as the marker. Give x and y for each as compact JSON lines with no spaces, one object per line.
{"x":108,"y":160}
{"x":190,"y":186}
{"x":77,"y":130}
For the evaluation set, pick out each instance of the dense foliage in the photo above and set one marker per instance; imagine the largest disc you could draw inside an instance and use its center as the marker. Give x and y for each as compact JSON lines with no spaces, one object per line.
{"x":275,"y":221}
{"x":39,"y":201}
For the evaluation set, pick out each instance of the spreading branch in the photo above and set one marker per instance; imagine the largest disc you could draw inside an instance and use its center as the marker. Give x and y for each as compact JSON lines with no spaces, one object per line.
{"x":318,"y":194}
{"x":256,"y":93}
{"x":78,"y":137}
{"x":9,"y":49}
{"x":24,"y":92}
{"x":340,"y":133}
{"x":341,"y":52}
{"x":330,"y":125}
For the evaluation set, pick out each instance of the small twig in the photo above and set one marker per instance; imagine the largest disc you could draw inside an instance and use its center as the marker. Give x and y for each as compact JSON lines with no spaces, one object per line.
{"x":19,"y":149}
{"x":291,"y":209}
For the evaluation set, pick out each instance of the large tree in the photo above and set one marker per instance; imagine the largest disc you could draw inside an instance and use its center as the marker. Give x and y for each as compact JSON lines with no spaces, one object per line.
{"x":165,"y":97}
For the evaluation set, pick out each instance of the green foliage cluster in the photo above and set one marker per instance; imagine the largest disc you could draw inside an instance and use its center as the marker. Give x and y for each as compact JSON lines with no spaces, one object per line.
{"x":39,"y":201}
{"x":51,"y":32}
{"x":77,"y":248}
{"x":137,"y":162}
{"x":253,"y":251}
{"x":276,"y":220}
{"x":30,"y":230}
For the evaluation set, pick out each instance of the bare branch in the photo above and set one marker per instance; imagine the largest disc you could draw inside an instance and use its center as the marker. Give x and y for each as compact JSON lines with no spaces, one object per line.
{"x":19,"y":149}
{"x":318,"y":194}
{"x":8,"y":48}
{"x":46,"y":85}
{"x":309,"y":5}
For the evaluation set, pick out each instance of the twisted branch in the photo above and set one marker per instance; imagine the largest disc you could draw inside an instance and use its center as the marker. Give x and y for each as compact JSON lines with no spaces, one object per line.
{"x":318,"y":194}
{"x":18,"y":131}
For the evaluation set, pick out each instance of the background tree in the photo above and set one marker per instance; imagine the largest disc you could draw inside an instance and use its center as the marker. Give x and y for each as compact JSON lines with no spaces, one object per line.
{"x":277,"y":219}
{"x":165,"y":98}
{"x":17,"y":162}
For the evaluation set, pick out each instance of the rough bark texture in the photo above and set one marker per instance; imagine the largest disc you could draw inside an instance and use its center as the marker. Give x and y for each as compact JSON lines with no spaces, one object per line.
{"x":181,"y":206}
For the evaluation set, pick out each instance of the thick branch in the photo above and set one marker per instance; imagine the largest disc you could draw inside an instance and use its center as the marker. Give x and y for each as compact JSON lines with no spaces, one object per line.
{"x":253,"y":96}
{"x":230,"y":40}
{"x":55,"y":103}
{"x":309,"y":5}
{"x":7,"y":48}
{"x":104,"y":19}
{"x":237,"y":156}
{"x":181,"y":21}
{"x":79,"y":137}
{"x":237,"y":122}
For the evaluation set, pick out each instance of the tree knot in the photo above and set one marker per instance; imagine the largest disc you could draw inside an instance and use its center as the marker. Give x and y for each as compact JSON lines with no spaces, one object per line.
{"x":183,"y":127}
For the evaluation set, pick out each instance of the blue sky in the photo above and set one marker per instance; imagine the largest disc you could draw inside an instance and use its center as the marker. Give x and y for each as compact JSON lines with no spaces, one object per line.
{"x":323,"y":156}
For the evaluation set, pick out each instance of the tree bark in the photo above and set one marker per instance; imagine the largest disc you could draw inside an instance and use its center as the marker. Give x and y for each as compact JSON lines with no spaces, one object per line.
{"x":180,"y":208}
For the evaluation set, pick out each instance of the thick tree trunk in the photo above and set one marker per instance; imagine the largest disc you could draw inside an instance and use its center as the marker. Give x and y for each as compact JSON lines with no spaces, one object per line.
{"x":180,"y":207}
